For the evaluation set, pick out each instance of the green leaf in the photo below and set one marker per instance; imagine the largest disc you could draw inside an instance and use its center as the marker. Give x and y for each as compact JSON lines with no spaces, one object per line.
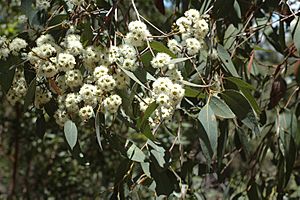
{"x":27,"y":9}
{"x":97,"y":127}
{"x":160,"y":47}
{"x":288,"y":123}
{"x":226,"y":60}
{"x":6,"y":79}
{"x":135,"y":154}
{"x":209,"y":123}
{"x":146,"y":131}
{"x":296,"y":37}
{"x":237,"y":9}
{"x":40,"y":126}
{"x":253,"y":192}
{"x":166,"y":181}
{"x":70,"y":131}
{"x":241,"y":108}
{"x":178,"y":60}
{"x":133,"y":77}
{"x":245,"y":87}
{"x":87,"y":33}
{"x":220,"y":108}
{"x":190,"y":92}
{"x":29,"y":98}
{"x":159,"y":157}
{"x":151,"y":108}
{"x":146,"y":168}
{"x":146,"y":59}
{"x":193,"y":84}
{"x":251,"y":100}
{"x":240,"y":83}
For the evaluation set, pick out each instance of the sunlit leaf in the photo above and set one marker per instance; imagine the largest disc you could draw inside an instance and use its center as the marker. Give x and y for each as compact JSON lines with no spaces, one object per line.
{"x":70,"y":131}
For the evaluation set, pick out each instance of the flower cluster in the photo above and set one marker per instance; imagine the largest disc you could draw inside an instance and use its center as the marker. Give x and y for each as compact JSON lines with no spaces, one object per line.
{"x":138,"y":33}
{"x":18,"y":89}
{"x":83,"y":79}
{"x":193,"y":29}
{"x":168,"y":95}
{"x":4,"y":50}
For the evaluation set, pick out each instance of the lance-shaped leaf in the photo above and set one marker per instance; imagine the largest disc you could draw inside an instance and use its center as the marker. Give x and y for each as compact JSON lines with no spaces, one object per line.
{"x":241,"y":108}
{"x":226,"y":60}
{"x":160,"y":47}
{"x":209,"y":123}
{"x":220,"y":108}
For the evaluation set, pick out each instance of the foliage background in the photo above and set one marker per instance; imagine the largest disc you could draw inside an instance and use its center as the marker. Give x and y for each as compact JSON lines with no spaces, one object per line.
{"x":260,"y":162}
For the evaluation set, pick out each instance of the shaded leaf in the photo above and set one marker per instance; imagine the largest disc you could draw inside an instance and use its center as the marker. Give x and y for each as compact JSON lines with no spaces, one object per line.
{"x":150,"y":109}
{"x":29,"y":98}
{"x":133,"y":77}
{"x":97,"y":127}
{"x":220,"y":108}
{"x":241,"y":108}
{"x":159,"y":4}
{"x":210,"y":125}
{"x":240,"y":83}
{"x":226,"y":60}
{"x":190,"y":92}
{"x":40,"y":126}
{"x":296,"y":37}
{"x":166,"y":182}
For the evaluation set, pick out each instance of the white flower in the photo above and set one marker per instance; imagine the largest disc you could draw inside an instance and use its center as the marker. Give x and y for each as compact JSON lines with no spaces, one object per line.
{"x":44,"y":39}
{"x":184,"y":24}
{"x":18,"y":89}
{"x":129,"y":64}
{"x":174,"y":75}
{"x":176,"y":92}
{"x":201,"y":28}
{"x":164,"y":113}
{"x":86,"y":112}
{"x":193,"y":46}
{"x":88,"y":94}
{"x":114,"y":54}
{"x":17,"y":44}
{"x":90,"y":57}
{"x":138,"y":33}
{"x":73,"y":78}
{"x":43,"y":51}
{"x":73,"y":45}
{"x":71,"y":102}
{"x":161,"y":60}
{"x":61,"y":117}
{"x":107,"y":83}
{"x":128,"y":51}
{"x":192,"y":14}
{"x":122,"y":80}
{"x":100,"y":71}
{"x":42,"y":96}
{"x":145,"y":103}
{"x":174,"y":46}
{"x":48,"y":69}
{"x":65,"y":61}
{"x":112,"y":103}
{"x":42,"y":4}
{"x":163,"y":99}
{"x":161,"y":85}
